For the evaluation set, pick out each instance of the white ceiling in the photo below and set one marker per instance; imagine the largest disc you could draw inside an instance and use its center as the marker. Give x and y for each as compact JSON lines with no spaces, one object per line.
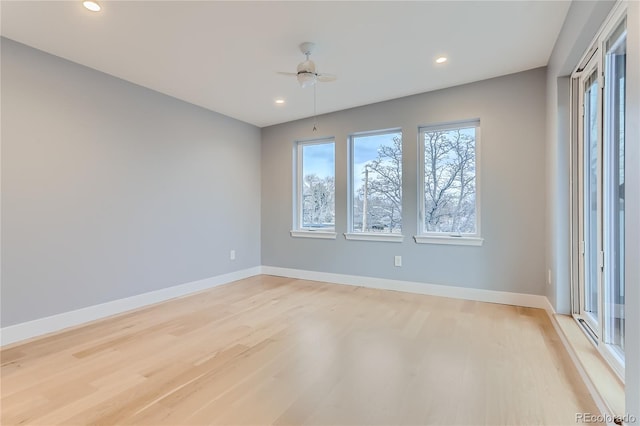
{"x":224,"y":55}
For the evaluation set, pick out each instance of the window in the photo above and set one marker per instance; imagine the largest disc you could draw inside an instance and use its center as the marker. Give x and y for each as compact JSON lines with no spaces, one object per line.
{"x":599,"y":91}
{"x":375,"y":186}
{"x":590,"y":193}
{"x":314,"y":192}
{"x":449,"y":198}
{"x":614,"y":179}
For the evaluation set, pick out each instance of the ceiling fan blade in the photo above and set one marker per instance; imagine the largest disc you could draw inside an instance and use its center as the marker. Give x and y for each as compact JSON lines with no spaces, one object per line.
{"x":325,"y":78}
{"x":287,"y":73}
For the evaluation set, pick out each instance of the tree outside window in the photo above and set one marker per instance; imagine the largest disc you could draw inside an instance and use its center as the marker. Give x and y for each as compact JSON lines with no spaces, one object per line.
{"x":450,"y":179}
{"x":376,"y":176}
{"x":316,"y":185}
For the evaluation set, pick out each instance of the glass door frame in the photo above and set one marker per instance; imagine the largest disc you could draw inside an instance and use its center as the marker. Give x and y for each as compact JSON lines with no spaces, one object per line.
{"x":594,"y":60}
{"x":582,"y":78}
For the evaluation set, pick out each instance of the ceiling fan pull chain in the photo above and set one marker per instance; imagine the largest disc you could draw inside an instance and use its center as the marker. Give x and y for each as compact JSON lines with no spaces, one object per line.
{"x":315,"y":117}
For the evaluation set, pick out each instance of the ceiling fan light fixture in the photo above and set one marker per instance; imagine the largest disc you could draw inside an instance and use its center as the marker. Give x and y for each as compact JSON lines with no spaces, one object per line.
{"x":92,"y":5}
{"x":306,"y":79}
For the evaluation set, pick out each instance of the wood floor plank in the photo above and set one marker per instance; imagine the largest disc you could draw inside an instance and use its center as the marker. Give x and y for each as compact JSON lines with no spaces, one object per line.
{"x":274,"y":350}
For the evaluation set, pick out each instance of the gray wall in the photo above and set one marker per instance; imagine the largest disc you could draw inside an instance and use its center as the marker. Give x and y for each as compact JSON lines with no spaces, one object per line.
{"x":111,"y":190}
{"x":512,"y":114}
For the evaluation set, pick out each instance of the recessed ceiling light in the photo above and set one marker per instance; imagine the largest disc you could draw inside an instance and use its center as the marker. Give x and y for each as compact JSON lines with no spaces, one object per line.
{"x":92,"y":5}
{"x":441,"y":60}
{"x":279,"y":101}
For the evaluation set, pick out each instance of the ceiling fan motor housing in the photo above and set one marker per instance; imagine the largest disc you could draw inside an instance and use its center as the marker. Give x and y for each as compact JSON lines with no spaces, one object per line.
{"x":307,"y":73}
{"x":307,"y":66}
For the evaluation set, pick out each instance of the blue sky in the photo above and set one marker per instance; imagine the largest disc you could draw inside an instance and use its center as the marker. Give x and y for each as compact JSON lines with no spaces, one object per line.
{"x":365,"y":150}
{"x":318,"y":159}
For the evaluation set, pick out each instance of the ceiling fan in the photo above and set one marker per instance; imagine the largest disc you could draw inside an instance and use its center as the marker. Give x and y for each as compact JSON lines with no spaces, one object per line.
{"x":307,"y":75}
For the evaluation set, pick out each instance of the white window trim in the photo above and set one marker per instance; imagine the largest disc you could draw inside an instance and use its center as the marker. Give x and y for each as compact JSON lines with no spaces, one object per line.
{"x":368,"y":236}
{"x":449,"y":240}
{"x":364,"y":236}
{"x":314,"y":234}
{"x":443,"y":237}
{"x":298,"y":231}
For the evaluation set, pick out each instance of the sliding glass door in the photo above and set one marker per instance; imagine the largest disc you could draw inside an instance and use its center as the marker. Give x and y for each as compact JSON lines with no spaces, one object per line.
{"x":600,"y":174}
{"x":590,"y":200}
{"x":613,"y":172}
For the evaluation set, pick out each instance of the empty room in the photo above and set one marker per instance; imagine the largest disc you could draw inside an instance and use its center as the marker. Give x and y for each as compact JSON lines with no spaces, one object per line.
{"x":320,"y":213}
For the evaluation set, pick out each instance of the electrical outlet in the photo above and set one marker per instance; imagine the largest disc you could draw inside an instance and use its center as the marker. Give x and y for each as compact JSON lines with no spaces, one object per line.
{"x":397,"y":261}
{"x":232,"y":255}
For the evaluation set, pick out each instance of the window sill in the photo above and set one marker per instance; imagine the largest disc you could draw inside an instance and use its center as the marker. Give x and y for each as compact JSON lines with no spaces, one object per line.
{"x":327,"y":235}
{"x":458,"y":241}
{"x":390,"y":238}
{"x":603,"y":377}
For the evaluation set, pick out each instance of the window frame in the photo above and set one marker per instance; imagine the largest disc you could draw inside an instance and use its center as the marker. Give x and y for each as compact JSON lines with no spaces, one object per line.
{"x":425,"y":237}
{"x":611,"y":167}
{"x":598,"y":52}
{"x":367,"y":236}
{"x":298,"y":230}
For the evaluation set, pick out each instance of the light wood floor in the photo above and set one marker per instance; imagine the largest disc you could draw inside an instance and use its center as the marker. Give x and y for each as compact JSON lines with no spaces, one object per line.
{"x":271,"y":350}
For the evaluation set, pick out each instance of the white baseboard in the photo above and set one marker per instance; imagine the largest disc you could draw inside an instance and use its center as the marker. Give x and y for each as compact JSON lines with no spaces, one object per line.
{"x":41,"y":326}
{"x":23,"y":331}
{"x":481,"y":295}
{"x":54,"y":323}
